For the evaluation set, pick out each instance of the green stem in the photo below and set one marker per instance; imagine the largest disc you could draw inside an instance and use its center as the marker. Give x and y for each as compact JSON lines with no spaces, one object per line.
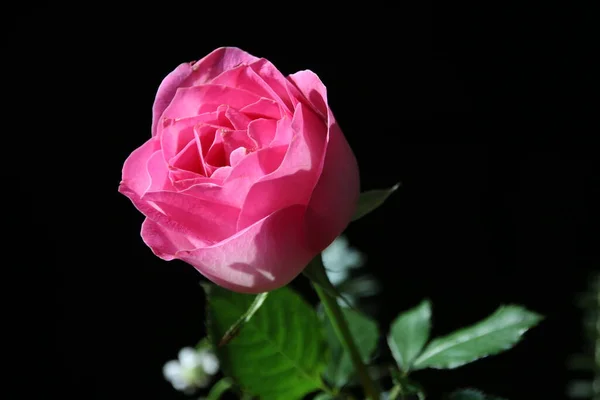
{"x":340,"y":326}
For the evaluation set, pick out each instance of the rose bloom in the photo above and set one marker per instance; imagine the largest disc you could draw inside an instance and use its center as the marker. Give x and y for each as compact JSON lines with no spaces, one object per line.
{"x":247,"y":175}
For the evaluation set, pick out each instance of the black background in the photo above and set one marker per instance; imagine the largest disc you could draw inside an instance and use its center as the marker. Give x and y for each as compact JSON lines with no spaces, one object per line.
{"x":477,"y":112}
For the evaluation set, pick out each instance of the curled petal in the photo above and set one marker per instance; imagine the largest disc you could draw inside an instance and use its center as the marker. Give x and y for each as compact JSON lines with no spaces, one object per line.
{"x":214,"y":64}
{"x":237,"y":155}
{"x":312,"y":89}
{"x":164,"y":243}
{"x":135,"y":176}
{"x":158,"y":173}
{"x":263,"y":108}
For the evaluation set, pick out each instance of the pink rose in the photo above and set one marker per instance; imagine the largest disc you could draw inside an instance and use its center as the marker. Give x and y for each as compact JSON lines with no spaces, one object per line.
{"x":247,"y":175}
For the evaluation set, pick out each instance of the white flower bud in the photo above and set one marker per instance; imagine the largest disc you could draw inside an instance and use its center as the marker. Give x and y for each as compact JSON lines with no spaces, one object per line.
{"x":193,"y":369}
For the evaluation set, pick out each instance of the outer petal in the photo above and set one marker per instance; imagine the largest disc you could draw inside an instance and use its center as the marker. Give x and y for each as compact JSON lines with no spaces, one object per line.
{"x":135,"y":178}
{"x":262,"y":257}
{"x":217,"y":62}
{"x":166,"y":91}
{"x":334,"y":199}
{"x":164,"y":243}
{"x":312,"y":89}
{"x":190,"y":216}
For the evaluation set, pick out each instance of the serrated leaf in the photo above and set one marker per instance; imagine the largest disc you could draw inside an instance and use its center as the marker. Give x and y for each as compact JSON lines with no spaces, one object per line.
{"x":371,"y":199}
{"x":280,"y":353}
{"x":498,"y":332}
{"x":408,"y":334}
{"x":365,"y":332}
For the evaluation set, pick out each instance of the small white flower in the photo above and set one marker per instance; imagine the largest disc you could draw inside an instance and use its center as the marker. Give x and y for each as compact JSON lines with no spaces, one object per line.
{"x":193,"y":369}
{"x":339,"y":258}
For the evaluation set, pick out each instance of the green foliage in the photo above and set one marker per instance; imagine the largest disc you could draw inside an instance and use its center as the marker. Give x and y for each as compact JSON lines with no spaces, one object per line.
{"x":280,"y":353}
{"x":498,"y":332}
{"x":372,"y":199}
{"x":408,"y":334}
{"x":365,"y":333}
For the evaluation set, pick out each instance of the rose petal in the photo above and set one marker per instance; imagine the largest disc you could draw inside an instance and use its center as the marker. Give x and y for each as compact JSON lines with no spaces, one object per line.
{"x":236,"y":156}
{"x":178,"y":133}
{"x":238,"y":120}
{"x":239,"y":179}
{"x":185,"y":184}
{"x":263,"y":257}
{"x":312,"y":90}
{"x":135,"y":176}
{"x":166,"y":91}
{"x":262,"y":131}
{"x":283,"y":133}
{"x":249,"y":170}
{"x":334,"y":199}
{"x":235,"y":139}
{"x":215,"y":156}
{"x":244,"y":77}
{"x":214,"y":64}
{"x":187,"y":100}
{"x":263,"y":108}
{"x":221,"y":173}
{"x":165,"y":243}
{"x":188,"y":159}
{"x":294,"y":180}
{"x":276,"y":82}
{"x":190,"y":216}
{"x":158,"y":173}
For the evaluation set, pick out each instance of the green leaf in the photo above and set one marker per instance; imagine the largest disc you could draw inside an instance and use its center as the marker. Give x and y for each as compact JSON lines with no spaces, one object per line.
{"x":470,"y":394}
{"x":409,"y":333}
{"x":234,"y":330}
{"x":372,"y":199}
{"x":498,"y":332}
{"x":279,"y":354}
{"x":219,"y":389}
{"x":365,"y":333}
